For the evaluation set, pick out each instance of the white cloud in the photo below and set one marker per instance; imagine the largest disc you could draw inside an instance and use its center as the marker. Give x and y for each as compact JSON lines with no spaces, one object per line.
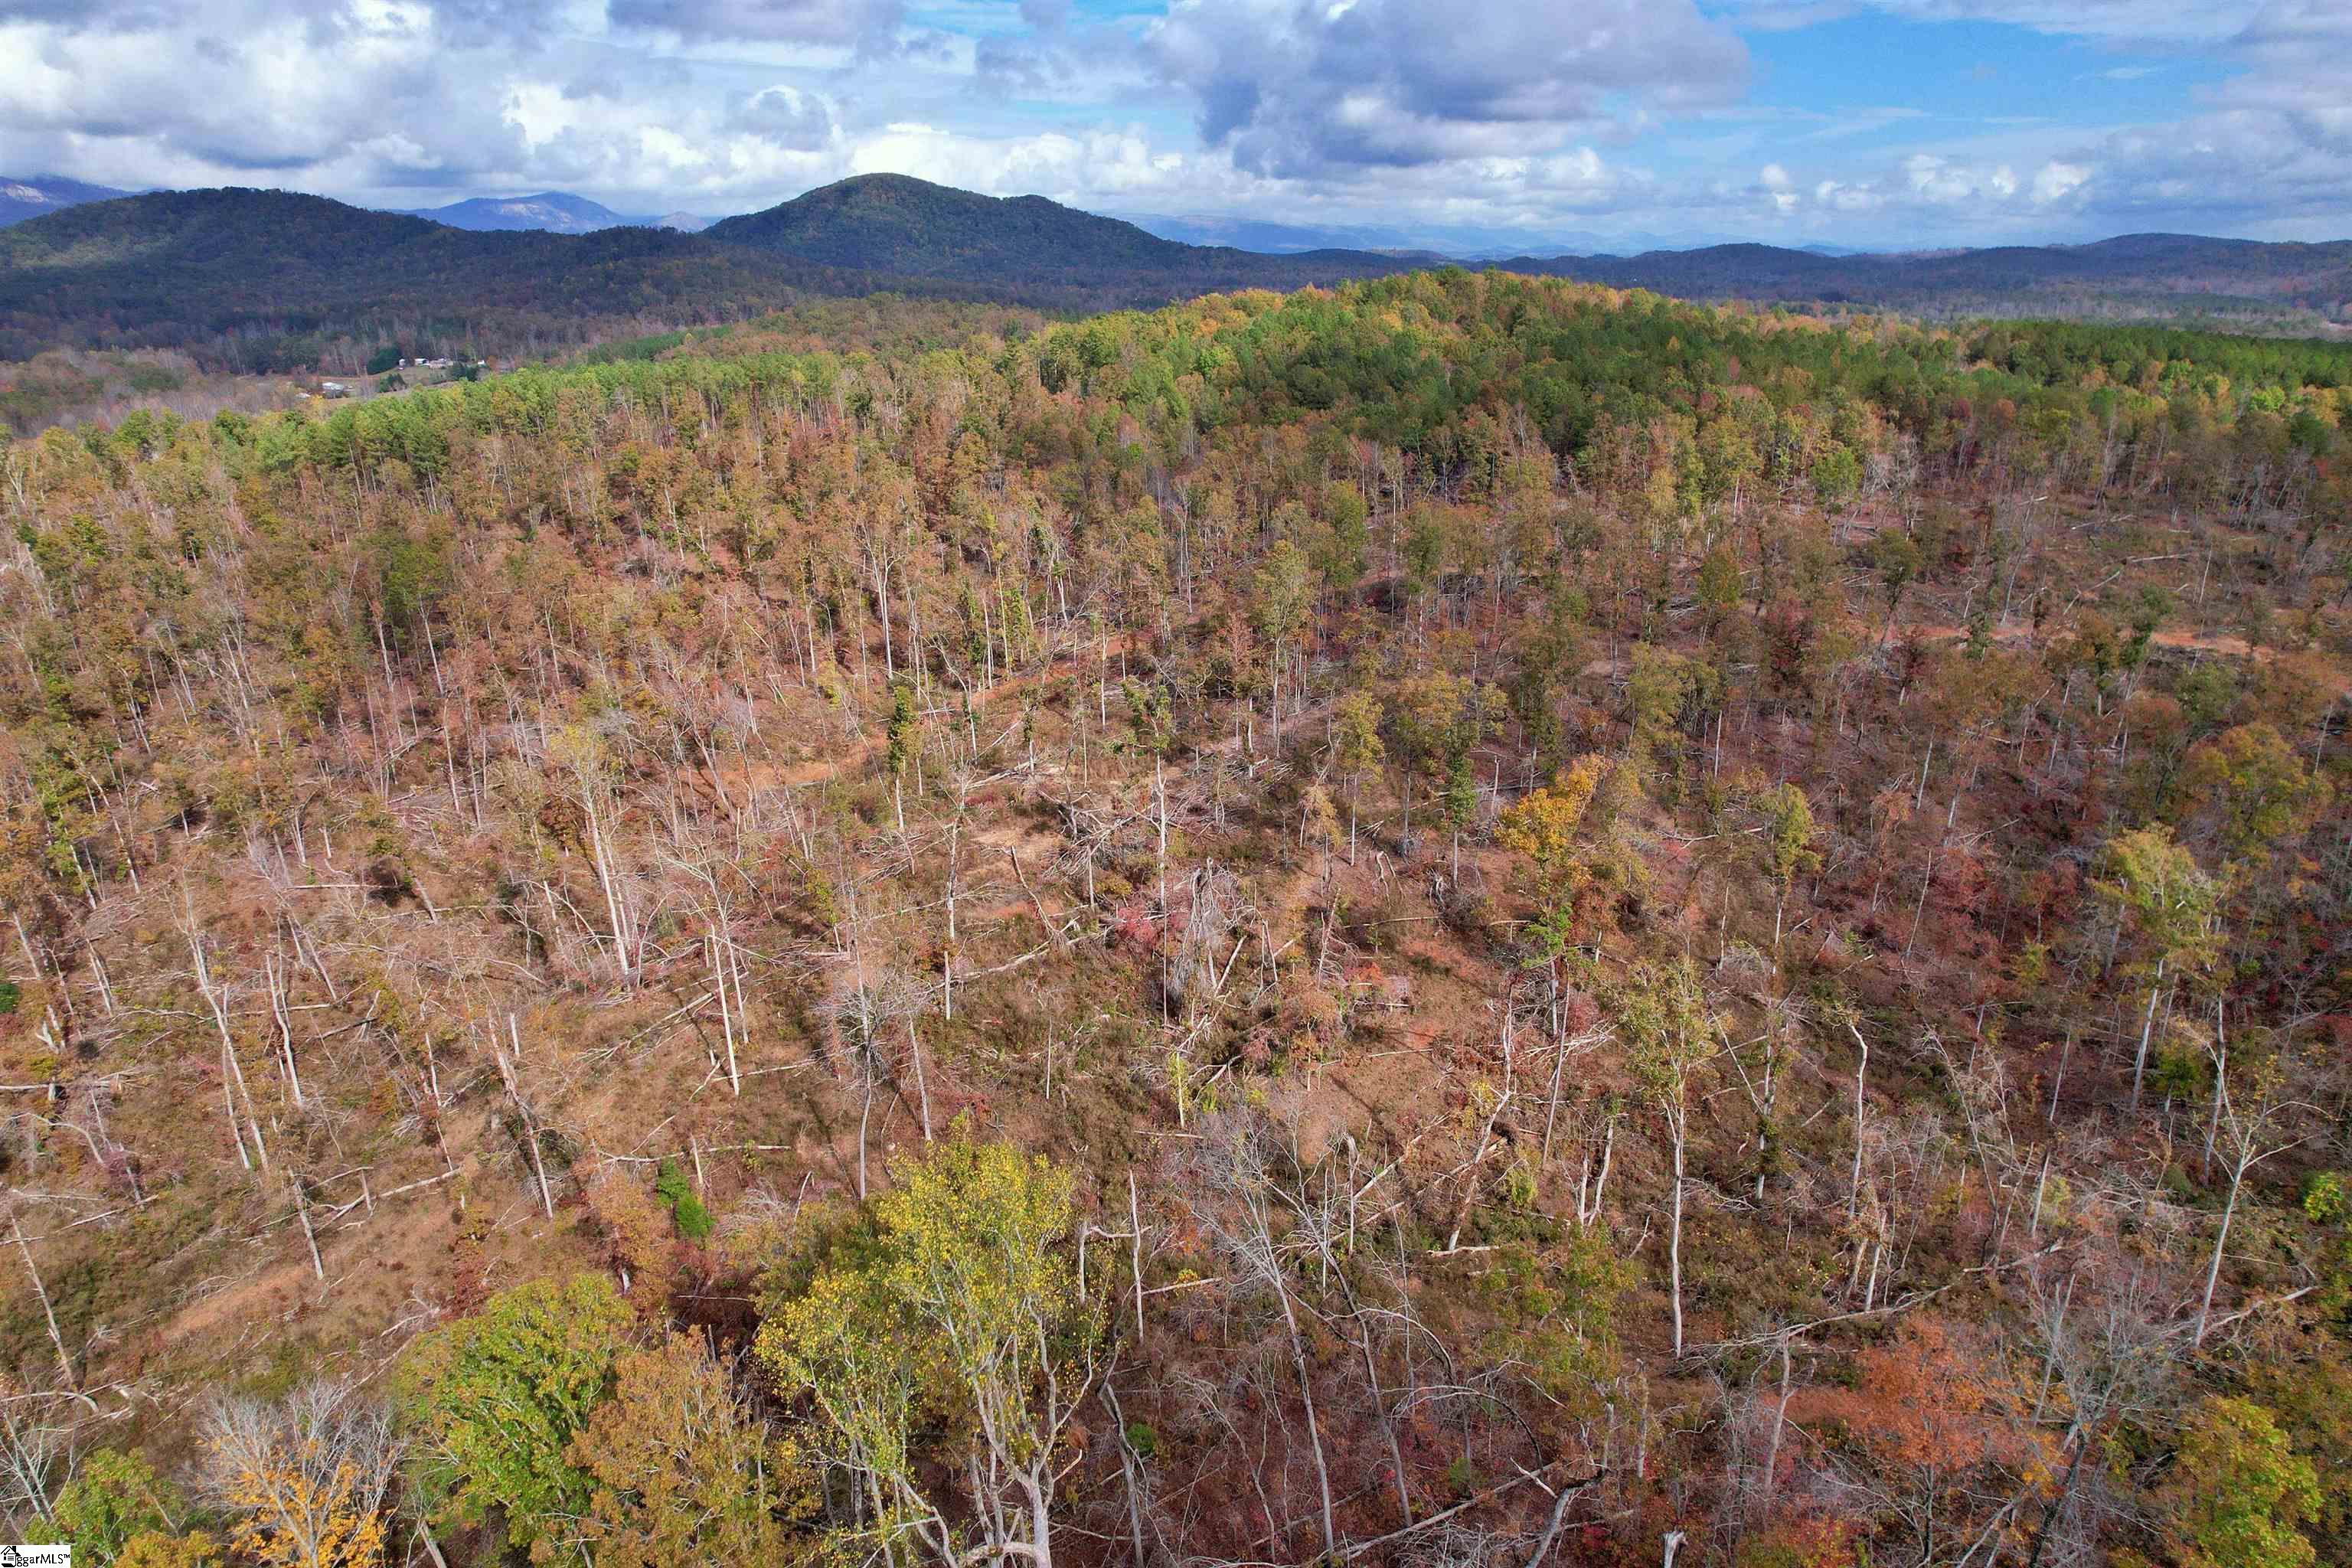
{"x":541,"y":111}
{"x":1407,"y":114}
{"x":1301,"y":88}
{"x":1837,"y":196}
{"x":1938,"y":180}
{"x":2057,"y":181}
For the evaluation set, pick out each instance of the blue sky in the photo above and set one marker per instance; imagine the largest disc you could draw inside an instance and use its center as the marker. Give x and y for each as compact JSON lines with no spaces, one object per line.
{"x":1463,"y":123}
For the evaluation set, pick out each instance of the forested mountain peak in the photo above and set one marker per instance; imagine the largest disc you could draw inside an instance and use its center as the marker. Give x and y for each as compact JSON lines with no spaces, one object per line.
{"x":894,"y":223}
{"x":283,"y":230}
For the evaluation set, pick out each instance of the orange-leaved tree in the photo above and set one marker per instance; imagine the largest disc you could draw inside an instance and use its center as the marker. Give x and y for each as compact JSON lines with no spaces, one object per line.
{"x":1933,"y":1431}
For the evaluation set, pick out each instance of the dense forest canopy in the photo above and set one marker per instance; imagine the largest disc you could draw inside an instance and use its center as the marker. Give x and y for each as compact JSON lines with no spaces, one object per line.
{"x":1412,"y":363}
{"x":1462,"y":919}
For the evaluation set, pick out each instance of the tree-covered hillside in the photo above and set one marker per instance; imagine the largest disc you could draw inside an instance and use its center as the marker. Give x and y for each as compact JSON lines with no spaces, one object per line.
{"x":891,"y":223}
{"x":1467,"y":919}
{"x":264,"y":279}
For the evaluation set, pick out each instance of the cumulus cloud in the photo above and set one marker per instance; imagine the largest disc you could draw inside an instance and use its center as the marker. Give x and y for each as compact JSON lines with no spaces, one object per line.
{"x":1838,"y":197}
{"x":2056,"y":182}
{"x":1518,"y":118}
{"x":1929,"y":193}
{"x":1299,"y":87}
{"x":407,"y":101}
{"x":243,"y":90}
{"x":787,"y":116}
{"x":1022,"y":68}
{"x":2268,"y":151}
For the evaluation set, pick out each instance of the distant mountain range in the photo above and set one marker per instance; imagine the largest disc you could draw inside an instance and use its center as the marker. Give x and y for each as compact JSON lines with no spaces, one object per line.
{"x":555,"y":212}
{"x":249,"y":279}
{"x":262,"y":278}
{"x":2175,"y":274}
{"x":1282,"y":239}
{"x":1460,"y":242}
{"x":45,"y":194}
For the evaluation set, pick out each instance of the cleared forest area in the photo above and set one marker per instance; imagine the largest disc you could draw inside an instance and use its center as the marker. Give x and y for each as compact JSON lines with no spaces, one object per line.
{"x":1462,"y":919}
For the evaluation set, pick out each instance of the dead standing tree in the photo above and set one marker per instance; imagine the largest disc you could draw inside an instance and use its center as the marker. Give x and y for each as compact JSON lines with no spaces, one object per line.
{"x":2249,"y":1121}
{"x":866,"y":1013}
{"x":1241,"y":1214}
{"x":1673,"y":1035}
{"x":525,"y":1118}
{"x":232,"y":1084}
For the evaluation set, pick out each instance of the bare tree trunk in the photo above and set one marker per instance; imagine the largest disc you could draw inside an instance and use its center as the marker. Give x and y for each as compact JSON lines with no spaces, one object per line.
{"x":1590,"y":1213}
{"x":1128,"y":1468}
{"x":2148,"y":1026}
{"x":1135,"y":1252}
{"x":1485,"y":1134}
{"x":529,"y":1122}
{"x":865,"y":1117}
{"x":1552,"y":1526}
{"x":2220,"y":1245}
{"x":1306,"y":1399}
{"x":2220,"y":1082}
{"x":302,"y":1213}
{"x":719,"y":964}
{"x":232,"y":1073}
{"x":285,"y":1027}
{"x":1779,"y":1421}
{"x":1674,"y":1242}
{"x":48,"y":1316}
{"x":922,"y":1094}
{"x":1861,"y":1104}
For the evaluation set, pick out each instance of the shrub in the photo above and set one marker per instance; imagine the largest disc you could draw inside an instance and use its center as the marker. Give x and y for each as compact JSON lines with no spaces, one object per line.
{"x":113,"y":1497}
{"x":686,"y":1208}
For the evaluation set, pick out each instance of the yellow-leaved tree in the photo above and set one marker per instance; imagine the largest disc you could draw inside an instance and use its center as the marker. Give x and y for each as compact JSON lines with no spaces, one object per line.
{"x":304,"y":1480}
{"x":2157,"y":887}
{"x":952,"y":1304}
